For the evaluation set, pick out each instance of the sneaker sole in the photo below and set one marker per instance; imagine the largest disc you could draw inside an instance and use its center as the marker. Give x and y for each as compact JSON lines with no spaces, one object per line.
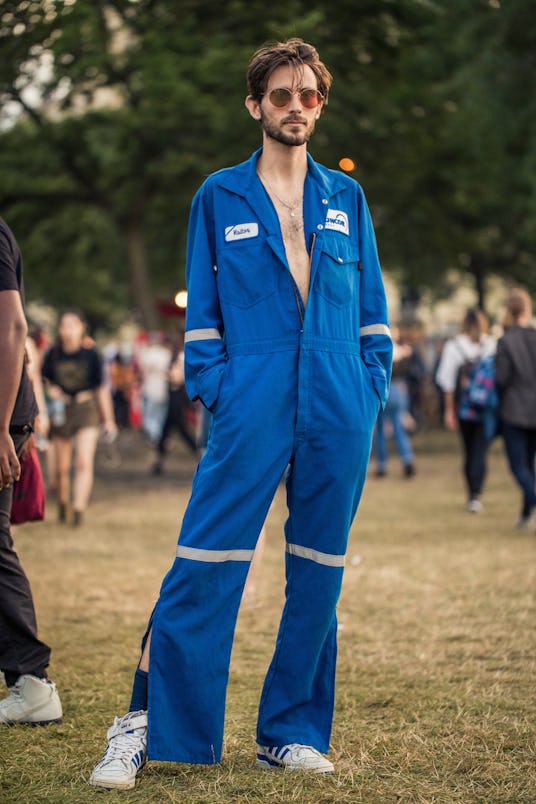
{"x":110,"y":786}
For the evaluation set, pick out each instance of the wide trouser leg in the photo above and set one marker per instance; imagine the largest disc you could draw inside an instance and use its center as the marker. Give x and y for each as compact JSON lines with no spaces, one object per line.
{"x":194,"y":620}
{"x":324,"y":488}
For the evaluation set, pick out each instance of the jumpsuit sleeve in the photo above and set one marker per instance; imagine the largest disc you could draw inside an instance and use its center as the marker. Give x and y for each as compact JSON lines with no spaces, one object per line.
{"x":375,"y":336}
{"x":204,"y":349}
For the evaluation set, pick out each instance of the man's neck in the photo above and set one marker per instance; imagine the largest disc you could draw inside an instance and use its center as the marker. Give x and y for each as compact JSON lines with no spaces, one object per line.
{"x":281,"y":162}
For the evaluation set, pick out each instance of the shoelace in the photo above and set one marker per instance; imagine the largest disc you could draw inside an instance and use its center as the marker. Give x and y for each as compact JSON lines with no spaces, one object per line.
{"x":16,"y":691}
{"x":120,"y":744}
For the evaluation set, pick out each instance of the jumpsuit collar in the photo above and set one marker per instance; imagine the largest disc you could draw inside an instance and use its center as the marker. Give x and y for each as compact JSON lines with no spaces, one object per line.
{"x":243,"y":180}
{"x":320,"y":186}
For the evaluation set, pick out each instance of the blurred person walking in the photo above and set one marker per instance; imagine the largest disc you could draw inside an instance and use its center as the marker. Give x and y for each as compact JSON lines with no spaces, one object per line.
{"x":153,"y":364}
{"x":287,"y":342}
{"x":121,"y":379}
{"x":79,"y":402}
{"x":459,"y":360}
{"x":24,"y":658}
{"x":396,"y":419}
{"x":177,"y":409}
{"x":515,"y":376}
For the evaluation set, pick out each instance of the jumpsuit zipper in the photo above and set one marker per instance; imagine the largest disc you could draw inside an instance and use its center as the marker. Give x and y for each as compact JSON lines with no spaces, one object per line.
{"x":297,"y":294}
{"x":299,"y":302}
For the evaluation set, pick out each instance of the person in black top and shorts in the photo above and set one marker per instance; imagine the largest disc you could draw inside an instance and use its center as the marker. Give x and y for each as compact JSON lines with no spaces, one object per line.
{"x":23,"y":657}
{"x":79,"y":403}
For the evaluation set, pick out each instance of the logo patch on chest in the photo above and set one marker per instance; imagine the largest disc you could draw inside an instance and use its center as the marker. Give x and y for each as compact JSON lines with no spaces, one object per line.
{"x":241,"y":231}
{"x":338,"y":220}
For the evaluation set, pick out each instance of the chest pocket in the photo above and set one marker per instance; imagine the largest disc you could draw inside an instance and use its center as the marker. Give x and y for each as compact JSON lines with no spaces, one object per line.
{"x":246,"y":274}
{"x":337,"y":278}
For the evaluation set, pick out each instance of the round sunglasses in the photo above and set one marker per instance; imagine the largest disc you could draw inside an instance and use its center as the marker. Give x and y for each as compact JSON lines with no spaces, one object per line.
{"x":281,"y":96}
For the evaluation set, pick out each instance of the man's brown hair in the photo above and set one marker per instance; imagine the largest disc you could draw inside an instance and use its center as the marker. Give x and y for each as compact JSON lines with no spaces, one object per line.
{"x":296,"y":53}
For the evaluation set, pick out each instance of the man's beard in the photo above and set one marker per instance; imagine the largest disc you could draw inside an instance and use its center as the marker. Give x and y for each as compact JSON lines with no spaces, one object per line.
{"x":278,"y":134}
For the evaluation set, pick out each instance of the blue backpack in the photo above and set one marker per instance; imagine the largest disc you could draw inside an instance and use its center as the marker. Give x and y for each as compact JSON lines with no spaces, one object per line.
{"x":483,"y":396}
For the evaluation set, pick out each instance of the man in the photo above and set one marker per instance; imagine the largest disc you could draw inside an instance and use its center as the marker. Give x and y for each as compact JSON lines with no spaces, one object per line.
{"x":23,"y":657}
{"x":287,"y":343}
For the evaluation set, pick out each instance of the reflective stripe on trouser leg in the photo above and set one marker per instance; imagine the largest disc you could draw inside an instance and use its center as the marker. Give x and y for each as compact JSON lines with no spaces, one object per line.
{"x":194,"y":619}
{"x":193,"y":628}
{"x":298,"y":696}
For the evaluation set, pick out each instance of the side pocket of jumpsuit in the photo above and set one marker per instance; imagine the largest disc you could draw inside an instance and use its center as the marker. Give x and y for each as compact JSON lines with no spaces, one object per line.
{"x":374,"y":396}
{"x":221,"y":389}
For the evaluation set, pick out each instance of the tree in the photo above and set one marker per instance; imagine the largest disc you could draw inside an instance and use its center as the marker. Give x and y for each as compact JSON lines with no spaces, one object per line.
{"x":139,"y":99}
{"x":463,"y":192}
{"x":172,"y":78}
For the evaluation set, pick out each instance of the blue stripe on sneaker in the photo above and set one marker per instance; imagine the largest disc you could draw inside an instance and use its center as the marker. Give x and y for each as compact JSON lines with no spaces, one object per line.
{"x":267,"y":758}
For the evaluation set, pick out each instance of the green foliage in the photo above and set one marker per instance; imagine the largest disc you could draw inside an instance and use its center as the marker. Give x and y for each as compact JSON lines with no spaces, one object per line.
{"x":128,"y":104}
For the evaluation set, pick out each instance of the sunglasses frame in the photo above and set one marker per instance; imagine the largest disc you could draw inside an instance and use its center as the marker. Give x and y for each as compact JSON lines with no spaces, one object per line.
{"x":315,"y":93}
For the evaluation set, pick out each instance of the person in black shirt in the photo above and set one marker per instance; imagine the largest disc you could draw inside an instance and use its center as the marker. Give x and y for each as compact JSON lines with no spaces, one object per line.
{"x":79,"y":402}
{"x":23,"y":657}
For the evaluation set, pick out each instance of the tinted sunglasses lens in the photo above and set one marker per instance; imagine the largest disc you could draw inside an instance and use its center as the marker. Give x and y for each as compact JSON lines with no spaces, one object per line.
{"x":280,"y":97}
{"x":310,"y":98}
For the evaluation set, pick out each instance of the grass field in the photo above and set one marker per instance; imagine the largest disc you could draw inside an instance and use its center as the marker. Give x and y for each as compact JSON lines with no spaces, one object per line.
{"x":437,"y":644}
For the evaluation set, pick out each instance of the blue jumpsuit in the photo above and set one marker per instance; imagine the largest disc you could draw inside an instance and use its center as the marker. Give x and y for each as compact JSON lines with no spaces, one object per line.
{"x":287,"y":387}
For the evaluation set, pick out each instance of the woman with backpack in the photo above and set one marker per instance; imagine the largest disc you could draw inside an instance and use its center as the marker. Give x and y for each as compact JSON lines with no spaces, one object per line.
{"x":516,"y":382}
{"x":459,"y":360}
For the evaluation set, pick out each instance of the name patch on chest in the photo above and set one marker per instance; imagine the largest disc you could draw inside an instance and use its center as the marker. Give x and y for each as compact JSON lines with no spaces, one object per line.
{"x":338,"y":220}
{"x":241,"y":231}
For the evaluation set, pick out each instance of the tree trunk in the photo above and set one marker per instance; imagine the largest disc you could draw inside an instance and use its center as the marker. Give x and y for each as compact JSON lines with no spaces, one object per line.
{"x":140,"y":281}
{"x":480,"y":288}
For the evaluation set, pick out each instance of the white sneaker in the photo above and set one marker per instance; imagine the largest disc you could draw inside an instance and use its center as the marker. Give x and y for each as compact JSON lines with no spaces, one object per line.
{"x":31,"y":700}
{"x":126,"y":753}
{"x":474,"y":506}
{"x":293,"y":757}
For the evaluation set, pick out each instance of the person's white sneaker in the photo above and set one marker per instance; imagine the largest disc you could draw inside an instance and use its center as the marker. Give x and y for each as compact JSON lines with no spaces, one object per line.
{"x":474,"y":506}
{"x":293,"y":757}
{"x":31,"y":700}
{"x":126,"y":753}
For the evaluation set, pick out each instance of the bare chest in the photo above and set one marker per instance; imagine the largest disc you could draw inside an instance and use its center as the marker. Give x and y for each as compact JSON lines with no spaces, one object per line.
{"x":293,"y":235}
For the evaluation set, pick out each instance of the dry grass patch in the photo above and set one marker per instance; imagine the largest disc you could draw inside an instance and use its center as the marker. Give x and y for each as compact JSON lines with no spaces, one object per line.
{"x":437,"y":650}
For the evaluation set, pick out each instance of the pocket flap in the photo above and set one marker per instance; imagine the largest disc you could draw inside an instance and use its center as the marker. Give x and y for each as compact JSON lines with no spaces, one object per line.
{"x":341,"y":251}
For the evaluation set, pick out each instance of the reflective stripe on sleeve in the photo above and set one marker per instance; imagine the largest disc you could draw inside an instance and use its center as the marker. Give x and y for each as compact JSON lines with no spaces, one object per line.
{"x":201,"y":335}
{"x":327,"y":559}
{"x":375,"y":329}
{"x":213,"y":556}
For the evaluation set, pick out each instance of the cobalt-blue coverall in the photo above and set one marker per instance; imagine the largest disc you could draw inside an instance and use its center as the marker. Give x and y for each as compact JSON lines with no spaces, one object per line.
{"x":287,"y":386}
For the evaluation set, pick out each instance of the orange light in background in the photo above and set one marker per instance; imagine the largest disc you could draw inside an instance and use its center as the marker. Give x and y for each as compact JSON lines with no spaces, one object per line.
{"x":181,"y":299}
{"x":347,"y":164}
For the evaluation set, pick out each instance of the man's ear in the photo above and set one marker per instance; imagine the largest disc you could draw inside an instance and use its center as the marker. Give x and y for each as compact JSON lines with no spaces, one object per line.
{"x":254,"y":107}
